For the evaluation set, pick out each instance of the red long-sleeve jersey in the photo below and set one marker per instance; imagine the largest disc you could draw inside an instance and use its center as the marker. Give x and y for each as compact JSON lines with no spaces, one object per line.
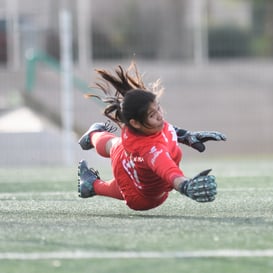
{"x":150,"y":163}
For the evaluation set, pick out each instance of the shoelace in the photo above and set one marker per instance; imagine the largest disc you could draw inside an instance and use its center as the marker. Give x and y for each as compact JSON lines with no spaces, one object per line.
{"x":95,"y":172}
{"x":109,"y":127}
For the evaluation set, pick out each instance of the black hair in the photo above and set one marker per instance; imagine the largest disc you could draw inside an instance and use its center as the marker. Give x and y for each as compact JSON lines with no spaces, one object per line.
{"x":135,"y":106}
{"x":131,"y":99}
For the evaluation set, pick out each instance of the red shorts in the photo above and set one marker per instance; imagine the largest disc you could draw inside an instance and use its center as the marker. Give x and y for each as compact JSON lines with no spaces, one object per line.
{"x":133,"y":197}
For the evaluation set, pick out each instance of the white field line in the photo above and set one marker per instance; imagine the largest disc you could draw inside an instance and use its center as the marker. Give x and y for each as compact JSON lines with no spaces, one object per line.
{"x":79,"y":254}
{"x":246,"y":189}
{"x":18,"y":194}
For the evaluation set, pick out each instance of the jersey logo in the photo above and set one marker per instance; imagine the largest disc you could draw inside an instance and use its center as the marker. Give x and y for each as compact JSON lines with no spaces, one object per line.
{"x":155,"y":153}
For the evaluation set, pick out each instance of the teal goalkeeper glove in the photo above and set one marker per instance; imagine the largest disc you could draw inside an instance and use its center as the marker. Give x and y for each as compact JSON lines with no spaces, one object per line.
{"x":201,"y":188}
{"x":196,"y":139}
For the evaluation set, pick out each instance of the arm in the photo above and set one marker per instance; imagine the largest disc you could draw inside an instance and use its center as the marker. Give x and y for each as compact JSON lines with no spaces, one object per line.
{"x":196,"y":139}
{"x":201,"y":188}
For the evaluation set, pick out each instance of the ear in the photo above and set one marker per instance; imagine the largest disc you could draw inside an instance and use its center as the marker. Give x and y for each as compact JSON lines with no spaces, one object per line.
{"x":134,"y":123}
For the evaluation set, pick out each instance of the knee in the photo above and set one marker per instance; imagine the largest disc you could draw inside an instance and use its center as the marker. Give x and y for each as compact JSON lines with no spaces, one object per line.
{"x":110,"y":143}
{"x":102,"y":142}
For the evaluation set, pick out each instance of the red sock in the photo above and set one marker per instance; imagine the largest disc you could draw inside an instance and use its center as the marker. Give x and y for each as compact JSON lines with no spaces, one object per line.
{"x":108,"y":188}
{"x":99,"y":140}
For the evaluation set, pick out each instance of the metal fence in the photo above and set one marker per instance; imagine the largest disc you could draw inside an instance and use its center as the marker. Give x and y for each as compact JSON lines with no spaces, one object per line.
{"x":187,"y":30}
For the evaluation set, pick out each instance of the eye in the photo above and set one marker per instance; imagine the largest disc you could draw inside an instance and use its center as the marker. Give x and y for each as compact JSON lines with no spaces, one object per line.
{"x":152,"y":114}
{"x":155,"y":110}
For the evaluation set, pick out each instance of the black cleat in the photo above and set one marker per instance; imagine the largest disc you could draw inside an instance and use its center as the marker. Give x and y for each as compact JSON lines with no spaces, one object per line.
{"x":85,"y":141}
{"x":86,"y":179}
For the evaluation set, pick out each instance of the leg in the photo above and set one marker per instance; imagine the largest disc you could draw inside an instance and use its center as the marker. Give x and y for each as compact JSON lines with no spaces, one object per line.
{"x":103,"y":142}
{"x":108,"y":188}
{"x":90,"y":184}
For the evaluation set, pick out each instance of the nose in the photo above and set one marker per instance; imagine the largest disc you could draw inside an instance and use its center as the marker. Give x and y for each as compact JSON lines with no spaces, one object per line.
{"x":160,"y":115}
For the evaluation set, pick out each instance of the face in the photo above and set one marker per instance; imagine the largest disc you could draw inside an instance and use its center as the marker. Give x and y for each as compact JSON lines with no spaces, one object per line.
{"x":154,"y":122}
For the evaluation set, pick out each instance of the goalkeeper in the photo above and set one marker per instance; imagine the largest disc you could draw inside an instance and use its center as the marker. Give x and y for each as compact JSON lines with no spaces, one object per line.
{"x":145,"y":158}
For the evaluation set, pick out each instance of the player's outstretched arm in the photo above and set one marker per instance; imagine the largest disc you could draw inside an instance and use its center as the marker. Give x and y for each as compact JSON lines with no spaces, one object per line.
{"x":201,"y":188}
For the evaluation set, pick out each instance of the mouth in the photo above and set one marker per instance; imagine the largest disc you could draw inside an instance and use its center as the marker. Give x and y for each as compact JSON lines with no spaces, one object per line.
{"x":161,"y":125}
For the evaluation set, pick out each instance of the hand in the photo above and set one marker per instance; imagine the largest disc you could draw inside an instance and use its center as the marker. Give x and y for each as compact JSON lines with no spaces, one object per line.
{"x":196,"y":139}
{"x":201,"y":188}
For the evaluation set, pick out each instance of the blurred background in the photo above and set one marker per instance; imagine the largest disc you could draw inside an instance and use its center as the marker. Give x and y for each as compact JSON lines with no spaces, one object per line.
{"x":214,"y":58}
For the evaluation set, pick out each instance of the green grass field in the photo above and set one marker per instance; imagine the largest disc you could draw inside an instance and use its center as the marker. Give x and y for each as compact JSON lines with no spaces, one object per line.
{"x":45,"y":227}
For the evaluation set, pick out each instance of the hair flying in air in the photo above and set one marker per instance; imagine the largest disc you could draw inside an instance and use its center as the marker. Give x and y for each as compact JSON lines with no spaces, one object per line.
{"x":125,"y":94}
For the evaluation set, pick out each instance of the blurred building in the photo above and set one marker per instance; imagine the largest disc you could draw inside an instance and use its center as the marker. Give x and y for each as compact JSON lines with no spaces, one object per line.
{"x":172,"y":29}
